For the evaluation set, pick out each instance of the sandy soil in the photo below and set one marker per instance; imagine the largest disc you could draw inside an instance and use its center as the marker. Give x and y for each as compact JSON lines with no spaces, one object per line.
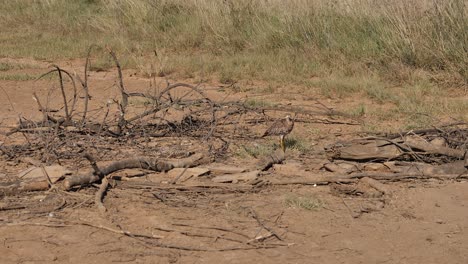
{"x":419,"y":222}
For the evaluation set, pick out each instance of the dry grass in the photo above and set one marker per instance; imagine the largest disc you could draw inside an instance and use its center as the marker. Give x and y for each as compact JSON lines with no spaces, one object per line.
{"x":17,"y":77}
{"x":401,"y":54}
{"x":250,"y":39}
{"x":307,"y":202}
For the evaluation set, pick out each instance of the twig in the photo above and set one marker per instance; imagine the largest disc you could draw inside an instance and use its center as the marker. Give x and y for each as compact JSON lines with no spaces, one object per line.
{"x":85,"y":86}
{"x":353,"y":215}
{"x":74,"y":223}
{"x":47,"y":176}
{"x":67,"y":114}
{"x":94,"y":165}
{"x":178,"y":177}
{"x":254,"y":215}
{"x":41,"y":108}
{"x":124,"y":102}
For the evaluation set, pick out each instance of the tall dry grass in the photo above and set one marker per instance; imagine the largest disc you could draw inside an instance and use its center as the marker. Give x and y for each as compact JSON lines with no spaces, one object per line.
{"x":264,"y":39}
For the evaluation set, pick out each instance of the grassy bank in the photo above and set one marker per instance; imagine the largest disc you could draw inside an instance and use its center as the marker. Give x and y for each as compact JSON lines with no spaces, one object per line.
{"x":259,"y":39}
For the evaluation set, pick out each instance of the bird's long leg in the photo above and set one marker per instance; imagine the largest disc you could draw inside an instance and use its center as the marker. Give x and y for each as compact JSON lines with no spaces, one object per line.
{"x":283,"y":147}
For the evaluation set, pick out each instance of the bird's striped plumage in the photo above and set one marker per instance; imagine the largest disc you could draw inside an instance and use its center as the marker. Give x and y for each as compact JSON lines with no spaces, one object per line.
{"x":280,"y":128}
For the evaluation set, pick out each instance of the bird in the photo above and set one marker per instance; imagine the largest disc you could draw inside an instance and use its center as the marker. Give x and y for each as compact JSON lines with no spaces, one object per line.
{"x":281,"y":127}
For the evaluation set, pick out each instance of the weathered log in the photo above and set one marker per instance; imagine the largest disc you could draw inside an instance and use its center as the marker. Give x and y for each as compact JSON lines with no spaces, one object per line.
{"x":11,"y":188}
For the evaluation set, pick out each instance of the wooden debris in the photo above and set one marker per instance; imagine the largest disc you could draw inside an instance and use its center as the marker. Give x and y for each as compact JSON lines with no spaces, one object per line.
{"x":99,"y":196}
{"x":421,"y":144}
{"x":218,"y":168}
{"x":376,"y":185}
{"x":139,"y":162}
{"x":234,"y":178}
{"x":55,"y":173}
{"x":369,"y":150}
{"x":189,"y":173}
{"x":373,"y":166}
{"x":332,"y":167}
{"x":131,"y":173}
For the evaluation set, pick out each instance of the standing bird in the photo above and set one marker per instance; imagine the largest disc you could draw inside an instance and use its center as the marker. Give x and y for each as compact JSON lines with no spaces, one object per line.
{"x":280,"y":128}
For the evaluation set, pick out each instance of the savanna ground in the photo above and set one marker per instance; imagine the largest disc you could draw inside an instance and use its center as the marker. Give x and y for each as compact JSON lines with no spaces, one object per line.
{"x":390,"y":68}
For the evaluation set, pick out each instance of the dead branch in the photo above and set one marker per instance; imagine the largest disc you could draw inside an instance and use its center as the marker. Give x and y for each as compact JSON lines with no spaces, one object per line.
{"x":98,"y":199}
{"x":96,"y":169}
{"x":124,"y":102}
{"x":84,"y":84}
{"x":41,"y":108}
{"x":131,"y":163}
{"x":174,"y":181}
{"x":255,"y":216}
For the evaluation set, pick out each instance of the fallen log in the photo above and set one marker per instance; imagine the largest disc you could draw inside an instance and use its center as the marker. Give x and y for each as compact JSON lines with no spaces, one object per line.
{"x":11,"y":188}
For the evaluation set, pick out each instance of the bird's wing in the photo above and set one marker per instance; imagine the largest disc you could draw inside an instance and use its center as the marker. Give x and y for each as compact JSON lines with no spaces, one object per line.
{"x":270,"y":130}
{"x":276,"y":128}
